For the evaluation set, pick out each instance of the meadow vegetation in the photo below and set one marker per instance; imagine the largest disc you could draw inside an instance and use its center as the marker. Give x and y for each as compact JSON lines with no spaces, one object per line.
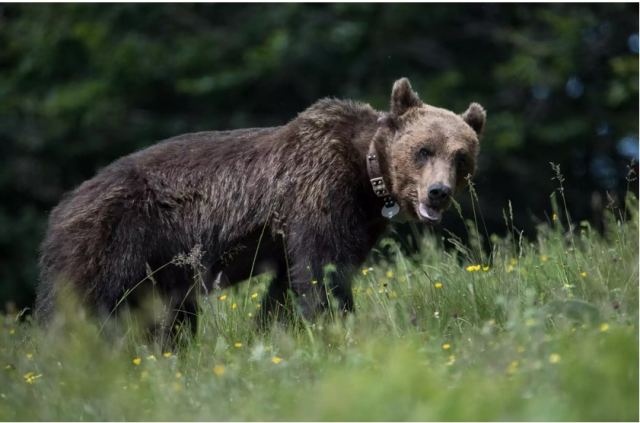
{"x":543,"y":329}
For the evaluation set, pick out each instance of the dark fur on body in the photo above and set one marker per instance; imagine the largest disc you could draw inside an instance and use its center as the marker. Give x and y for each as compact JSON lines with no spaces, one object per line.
{"x":292,"y":198}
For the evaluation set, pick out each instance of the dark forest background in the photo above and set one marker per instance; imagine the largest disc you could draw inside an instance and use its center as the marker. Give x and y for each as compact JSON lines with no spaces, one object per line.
{"x":81,"y":85}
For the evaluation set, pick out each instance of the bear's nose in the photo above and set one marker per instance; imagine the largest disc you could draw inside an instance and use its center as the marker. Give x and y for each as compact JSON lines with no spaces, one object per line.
{"x":439,"y":192}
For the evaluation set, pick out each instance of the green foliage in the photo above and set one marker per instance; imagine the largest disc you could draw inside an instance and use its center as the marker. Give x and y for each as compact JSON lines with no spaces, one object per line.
{"x":544,"y":330}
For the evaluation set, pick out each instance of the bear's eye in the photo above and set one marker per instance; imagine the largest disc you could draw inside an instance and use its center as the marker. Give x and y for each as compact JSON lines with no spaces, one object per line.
{"x":462,"y":162}
{"x":424,"y":154}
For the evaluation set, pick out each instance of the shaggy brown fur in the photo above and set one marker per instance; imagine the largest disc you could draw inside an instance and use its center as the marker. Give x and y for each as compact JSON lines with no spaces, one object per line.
{"x":291,"y":199}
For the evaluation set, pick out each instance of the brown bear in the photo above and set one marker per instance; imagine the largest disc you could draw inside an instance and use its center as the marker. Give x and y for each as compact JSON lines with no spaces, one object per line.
{"x":290,"y":199}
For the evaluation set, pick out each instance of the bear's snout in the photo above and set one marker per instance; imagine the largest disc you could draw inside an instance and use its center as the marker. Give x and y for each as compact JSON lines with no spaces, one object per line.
{"x":438,"y":198}
{"x":439,"y":194}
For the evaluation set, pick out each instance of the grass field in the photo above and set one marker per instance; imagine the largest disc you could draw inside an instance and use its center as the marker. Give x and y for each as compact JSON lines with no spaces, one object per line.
{"x":544,"y":330}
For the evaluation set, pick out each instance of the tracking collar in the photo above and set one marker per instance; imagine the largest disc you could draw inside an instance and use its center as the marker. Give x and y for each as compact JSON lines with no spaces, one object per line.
{"x":391,"y":207}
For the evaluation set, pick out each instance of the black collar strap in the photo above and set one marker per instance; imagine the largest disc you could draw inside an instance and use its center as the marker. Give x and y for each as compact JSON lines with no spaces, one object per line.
{"x":391,"y":207}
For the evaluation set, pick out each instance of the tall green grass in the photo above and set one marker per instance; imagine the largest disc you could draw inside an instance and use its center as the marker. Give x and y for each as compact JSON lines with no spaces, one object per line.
{"x":531,"y":330}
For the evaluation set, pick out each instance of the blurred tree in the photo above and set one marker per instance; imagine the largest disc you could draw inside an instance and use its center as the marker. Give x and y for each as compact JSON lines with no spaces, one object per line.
{"x":81,"y":85}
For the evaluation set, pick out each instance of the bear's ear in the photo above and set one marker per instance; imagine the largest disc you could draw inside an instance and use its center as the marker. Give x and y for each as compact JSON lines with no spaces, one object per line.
{"x":475,"y":116}
{"x":403,"y":97}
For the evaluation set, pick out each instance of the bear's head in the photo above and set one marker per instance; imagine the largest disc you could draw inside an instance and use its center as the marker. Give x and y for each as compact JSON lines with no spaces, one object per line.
{"x":430,"y":152}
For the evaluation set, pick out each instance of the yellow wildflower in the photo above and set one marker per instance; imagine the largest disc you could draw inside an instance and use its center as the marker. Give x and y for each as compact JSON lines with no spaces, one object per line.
{"x":178,"y":375}
{"x":29,"y":356}
{"x":222,"y":297}
{"x":234,"y":306}
{"x":249,"y":315}
{"x":275,"y":359}
{"x":365,"y":271}
{"x":218,"y":370}
{"x":554,"y":358}
{"x":437,"y":285}
{"x":151,"y":357}
{"x":473,"y":268}
{"x":254,"y":295}
{"x":167,"y":354}
{"x":485,"y":268}
{"x":583,"y":274}
{"x":604,"y":327}
{"x":512,"y":265}
{"x":136,"y":361}
{"x":238,"y":345}
{"x":446,"y":346}
{"x":554,"y":217}
{"x":389,"y":274}
{"x":31,"y":377}
{"x":544,"y":258}
{"x":314,"y":282}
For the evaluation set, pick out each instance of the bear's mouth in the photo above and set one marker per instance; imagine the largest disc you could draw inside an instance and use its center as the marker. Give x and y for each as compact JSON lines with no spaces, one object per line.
{"x":427,"y":213}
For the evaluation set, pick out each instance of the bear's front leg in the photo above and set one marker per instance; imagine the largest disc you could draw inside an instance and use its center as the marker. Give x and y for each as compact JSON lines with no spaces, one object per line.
{"x":313,"y":273}
{"x":305,"y":273}
{"x":339,"y":283}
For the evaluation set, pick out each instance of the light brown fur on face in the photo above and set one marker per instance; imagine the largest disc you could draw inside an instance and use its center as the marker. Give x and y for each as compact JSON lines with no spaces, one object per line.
{"x":431,"y":149}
